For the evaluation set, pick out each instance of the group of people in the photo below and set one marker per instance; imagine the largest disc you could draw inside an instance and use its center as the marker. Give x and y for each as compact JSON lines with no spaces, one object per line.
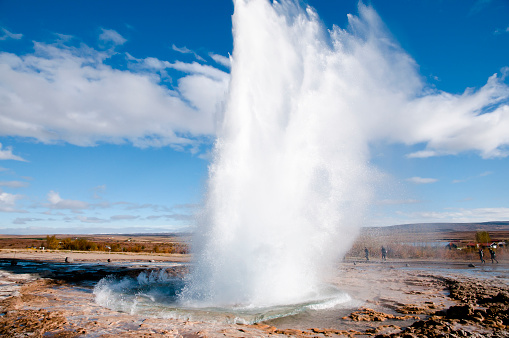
{"x":384,"y":254}
{"x":481,"y":254}
{"x":492,"y":255}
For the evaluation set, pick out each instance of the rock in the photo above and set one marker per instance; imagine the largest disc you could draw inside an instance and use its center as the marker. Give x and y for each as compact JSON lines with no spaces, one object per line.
{"x":69,"y":259}
{"x":471,"y":265}
{"x":460,"y":311}
{"x":109,"y":260}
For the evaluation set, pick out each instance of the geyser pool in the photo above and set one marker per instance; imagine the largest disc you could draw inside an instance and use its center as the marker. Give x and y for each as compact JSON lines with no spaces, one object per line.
{"x":155,"y":293}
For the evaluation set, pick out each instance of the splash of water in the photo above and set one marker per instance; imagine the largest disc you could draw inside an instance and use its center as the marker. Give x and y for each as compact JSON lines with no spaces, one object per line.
{"x":289,"y":180}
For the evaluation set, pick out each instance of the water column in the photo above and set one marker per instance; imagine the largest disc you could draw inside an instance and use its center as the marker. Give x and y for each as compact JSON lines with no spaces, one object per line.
{"x":285,"y":187}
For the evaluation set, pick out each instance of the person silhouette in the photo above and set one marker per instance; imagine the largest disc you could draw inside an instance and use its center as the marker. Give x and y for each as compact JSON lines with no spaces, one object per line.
{"x":384,"y":254}
{"x":492,"y":255}
{"x":481,"y":255}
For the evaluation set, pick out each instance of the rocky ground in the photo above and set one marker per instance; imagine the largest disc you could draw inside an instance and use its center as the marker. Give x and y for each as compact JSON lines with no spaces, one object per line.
{"x":403,"y":299}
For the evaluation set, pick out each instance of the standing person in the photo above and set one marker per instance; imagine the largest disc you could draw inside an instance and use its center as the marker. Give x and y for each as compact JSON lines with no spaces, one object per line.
{"x":366,"y":253}
{"x":492,"y":254}
{"x":481,"y":255}
{"x":384,"y":254}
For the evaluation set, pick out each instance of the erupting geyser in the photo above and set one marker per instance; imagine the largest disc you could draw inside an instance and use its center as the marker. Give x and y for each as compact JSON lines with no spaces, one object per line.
{"x":290,"y":178}
{"x":287,"y":185}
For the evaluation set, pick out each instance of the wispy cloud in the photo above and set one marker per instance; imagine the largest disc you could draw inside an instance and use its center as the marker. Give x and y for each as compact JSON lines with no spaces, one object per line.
{"x":123,"y":217}
{"x":86,"y":219}
{"x":501,"y":31}
{"x":484,"y":174}
{"x":421,"y":180}
{"x":6,"y":153}
{"x":98,"y":191}
{"x":185,"y":50}
{"x":222,"y":60}
{"x":110,"y":37}
{"x":13,"y":184}
{"x":56,"y":202}
{"x":25,"y":220}
{"x":8,"y":35}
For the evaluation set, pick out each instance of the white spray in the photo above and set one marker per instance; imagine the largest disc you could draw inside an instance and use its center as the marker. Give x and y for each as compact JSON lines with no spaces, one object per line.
{"x":291,"y":178}
{"x":287,"y":186}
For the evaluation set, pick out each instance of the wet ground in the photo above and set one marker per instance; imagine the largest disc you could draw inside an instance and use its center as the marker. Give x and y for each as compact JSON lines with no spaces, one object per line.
{"x":56,"y":299}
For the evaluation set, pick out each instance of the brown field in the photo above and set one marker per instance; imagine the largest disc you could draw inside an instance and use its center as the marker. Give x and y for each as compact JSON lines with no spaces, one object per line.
{"x":152,"y":243}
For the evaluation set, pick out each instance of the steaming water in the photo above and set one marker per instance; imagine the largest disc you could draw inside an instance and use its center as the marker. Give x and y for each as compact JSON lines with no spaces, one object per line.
{"x":155,"y":294}
{"x":290,"y":178}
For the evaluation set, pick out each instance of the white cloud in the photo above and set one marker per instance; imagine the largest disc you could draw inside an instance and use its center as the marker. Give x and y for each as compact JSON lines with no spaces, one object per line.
{"x":8,"y":202}
{"x":111,"y":37}
{"x":6,"y":154}
{"x":421,"y":180}
{"x":451,"y":124}
{"x":62,"y":93}
{"x":198,"y":69}
{"x":8,"y":35}
{"x":56,"y":202}
{"x":377,"y":88}
{"x":422,"y":154}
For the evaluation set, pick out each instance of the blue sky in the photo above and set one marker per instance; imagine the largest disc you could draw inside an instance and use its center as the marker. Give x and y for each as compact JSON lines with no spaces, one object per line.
{"x":108,"y":112}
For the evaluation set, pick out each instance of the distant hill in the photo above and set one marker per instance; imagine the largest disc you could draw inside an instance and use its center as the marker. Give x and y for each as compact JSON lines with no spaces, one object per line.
{"x":441,"y":231}
{"x":447,"y":227}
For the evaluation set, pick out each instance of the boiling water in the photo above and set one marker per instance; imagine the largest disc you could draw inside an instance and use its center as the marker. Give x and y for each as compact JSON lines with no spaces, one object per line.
{"x":155,"y":294}
{"x":288,"y":183}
